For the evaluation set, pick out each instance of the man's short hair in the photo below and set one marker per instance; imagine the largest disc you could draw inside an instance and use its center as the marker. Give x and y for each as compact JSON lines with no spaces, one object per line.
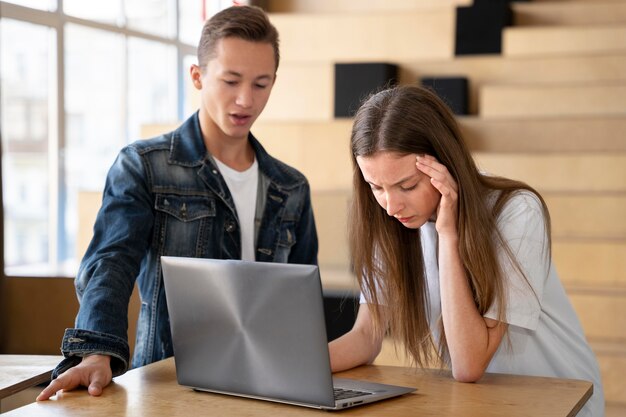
{"x":249,"y":23}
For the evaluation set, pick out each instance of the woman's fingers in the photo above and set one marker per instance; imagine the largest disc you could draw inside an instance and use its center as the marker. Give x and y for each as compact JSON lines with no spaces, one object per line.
{"x":436,"y":171}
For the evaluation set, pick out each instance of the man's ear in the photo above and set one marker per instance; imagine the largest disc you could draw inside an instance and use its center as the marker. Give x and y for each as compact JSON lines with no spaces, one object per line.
{"x":196,"y":76}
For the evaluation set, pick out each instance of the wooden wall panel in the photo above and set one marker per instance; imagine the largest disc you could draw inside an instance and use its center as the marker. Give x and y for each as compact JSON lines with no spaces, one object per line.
{"x":576,"y":13}
{"x":562,"y":172}
{"x":331,"y":217}
{"x":314,"y":80}
{"x":303,"y":91}
{"x":587,"y":216}
{"x":495,"y":69}
{"x":552,"y":100}
{"x":325,"y":160}
{"x":35,"y":313}
{"x":594,"y":134}
{"x":613,"y":369}
{"x":602,"y":315}
{"x":520,"y":41}
{"x":366,"y":36}
{"x":344,"y":6}
{"x":590,"y":263}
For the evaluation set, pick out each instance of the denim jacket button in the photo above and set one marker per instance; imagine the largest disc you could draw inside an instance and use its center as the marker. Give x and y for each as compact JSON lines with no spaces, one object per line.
{"x":230,"y":227}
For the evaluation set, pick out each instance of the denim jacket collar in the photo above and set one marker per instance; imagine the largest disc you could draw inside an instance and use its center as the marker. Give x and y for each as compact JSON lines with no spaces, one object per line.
{"x":188,"y":149}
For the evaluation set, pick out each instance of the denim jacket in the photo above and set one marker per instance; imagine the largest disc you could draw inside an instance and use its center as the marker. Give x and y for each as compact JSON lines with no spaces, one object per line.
{"x":165,"y":196}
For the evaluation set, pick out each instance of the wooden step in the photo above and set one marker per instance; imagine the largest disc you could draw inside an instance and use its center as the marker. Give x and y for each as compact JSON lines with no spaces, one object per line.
{"x":343,"y":6}
{"x":570,"y":13}
{"x":594,"y":134}
{"x":599,"y":264}
{"x":588,"y":248}
{"x":350,"y":37}
{"x":587,"y":216}
{"x":331,"y":219}
{"x":612,"y":361}
{"x":575,"y":1}
{"x":584,"y":172}
{"x":544,"y":40}
{"x":616,"y":409}
{"x":304,"y":91}
{"x":537,"y":100}
{"x":496,"y":69}
{"x":304,"y":145}
{"x":338,"y":278}
{"x":597,"y":134}
{"x":602,"y":316}
{"x":325,"y":160}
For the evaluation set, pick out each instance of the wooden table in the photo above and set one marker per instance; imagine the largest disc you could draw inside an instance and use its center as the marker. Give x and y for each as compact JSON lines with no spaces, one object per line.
{"x":18,"y":372}
{"x":153,"y":391}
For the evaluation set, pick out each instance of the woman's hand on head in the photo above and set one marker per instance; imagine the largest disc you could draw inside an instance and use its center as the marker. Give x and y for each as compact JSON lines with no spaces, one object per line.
{"x":440,"y":178}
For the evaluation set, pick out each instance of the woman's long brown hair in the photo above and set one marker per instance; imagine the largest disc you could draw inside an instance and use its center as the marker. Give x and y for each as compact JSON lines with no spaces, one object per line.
{"x":387,"y":256}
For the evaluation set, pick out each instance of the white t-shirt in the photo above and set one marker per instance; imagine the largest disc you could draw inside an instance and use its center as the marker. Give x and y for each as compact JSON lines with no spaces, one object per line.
{"x":546,"y":338}
{"x":243,"y":187}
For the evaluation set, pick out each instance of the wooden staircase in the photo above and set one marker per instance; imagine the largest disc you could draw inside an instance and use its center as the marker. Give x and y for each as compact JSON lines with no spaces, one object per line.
{"x":550,"y":110}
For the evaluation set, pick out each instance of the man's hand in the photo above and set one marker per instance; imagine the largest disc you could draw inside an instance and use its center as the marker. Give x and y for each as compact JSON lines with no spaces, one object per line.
{"x":94,"y":372}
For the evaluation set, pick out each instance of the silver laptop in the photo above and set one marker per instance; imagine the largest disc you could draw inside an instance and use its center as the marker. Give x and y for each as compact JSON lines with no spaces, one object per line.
{"x":257,"y":330}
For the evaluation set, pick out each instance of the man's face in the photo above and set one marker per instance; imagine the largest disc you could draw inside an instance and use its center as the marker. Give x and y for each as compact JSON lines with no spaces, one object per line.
{"x":234,"y":87}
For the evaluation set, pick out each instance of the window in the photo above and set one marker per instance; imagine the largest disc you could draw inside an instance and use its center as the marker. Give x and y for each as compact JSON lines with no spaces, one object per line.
{"x":26,"y":92}
{"x":48,"y":5}
{"x":76,"y":85}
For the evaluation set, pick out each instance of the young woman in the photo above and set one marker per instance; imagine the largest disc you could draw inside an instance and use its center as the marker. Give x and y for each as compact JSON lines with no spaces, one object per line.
{"x":455,"y":264}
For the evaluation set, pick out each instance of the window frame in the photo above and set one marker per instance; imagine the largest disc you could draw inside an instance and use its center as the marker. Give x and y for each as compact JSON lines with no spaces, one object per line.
{"x":58,"y":20}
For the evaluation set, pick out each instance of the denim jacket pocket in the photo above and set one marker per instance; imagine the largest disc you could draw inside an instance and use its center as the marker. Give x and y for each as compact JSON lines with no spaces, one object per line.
{"x":185,"y":208}
{"x":184,"y":224}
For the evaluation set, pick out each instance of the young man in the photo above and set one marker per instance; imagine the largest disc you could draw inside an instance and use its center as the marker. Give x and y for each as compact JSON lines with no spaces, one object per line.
{"x":207,"y":189}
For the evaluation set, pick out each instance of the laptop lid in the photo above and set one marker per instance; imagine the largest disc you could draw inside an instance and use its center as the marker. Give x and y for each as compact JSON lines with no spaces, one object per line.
{"x":252,"y":329}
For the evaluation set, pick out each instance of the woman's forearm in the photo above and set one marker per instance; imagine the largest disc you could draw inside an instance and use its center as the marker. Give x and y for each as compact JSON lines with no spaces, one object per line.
{"x":472,"y":339}
{"x":357,"y":347}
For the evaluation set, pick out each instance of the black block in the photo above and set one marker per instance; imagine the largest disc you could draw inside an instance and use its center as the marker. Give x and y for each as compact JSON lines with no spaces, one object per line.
{"x":340,"y":310}
{"x":355,"y":82}
{"x":452,"y":90}
{"x":479,"y":27}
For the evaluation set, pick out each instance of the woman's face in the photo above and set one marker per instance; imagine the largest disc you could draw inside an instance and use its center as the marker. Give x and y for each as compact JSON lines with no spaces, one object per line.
{"x":399,"y":187}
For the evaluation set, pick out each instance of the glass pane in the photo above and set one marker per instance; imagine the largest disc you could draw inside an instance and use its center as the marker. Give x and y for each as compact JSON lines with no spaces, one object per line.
{"x":152,"y":16}
{"x":191,"y":97}
{"x":152,"y":89}
{"x":26,"y":70}
{"x":47,"y":5}
{"x":109,"y":11}
{"x":191,"y":16}
{"x":94,"y":116}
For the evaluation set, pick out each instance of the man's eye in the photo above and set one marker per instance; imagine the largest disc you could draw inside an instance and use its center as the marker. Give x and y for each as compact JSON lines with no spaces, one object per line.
{"x":230,"y":82}
{"x":261,"y":86}
{"x":409,"y":188}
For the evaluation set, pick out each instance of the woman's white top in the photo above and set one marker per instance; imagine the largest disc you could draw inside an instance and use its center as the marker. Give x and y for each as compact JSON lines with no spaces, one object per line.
{"x":243,"y":186}
{"x":546,"y":338}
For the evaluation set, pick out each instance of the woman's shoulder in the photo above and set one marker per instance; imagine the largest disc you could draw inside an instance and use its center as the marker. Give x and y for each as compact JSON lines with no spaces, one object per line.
{"x":518,"y":200}
{"x":521,"y":204}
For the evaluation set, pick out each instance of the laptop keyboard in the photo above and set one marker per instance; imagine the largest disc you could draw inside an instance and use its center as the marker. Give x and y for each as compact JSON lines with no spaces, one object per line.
{"x":342,"y":394}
